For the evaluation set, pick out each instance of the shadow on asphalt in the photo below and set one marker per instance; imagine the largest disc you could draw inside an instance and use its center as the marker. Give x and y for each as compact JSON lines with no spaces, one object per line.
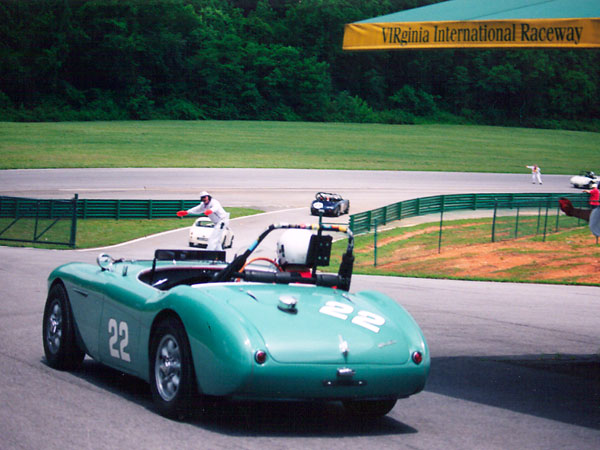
{"x":564,"y":388}
{"x":246,"y":418}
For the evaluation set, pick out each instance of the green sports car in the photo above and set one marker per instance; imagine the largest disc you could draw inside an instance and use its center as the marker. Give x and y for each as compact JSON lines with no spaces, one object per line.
{"x":196,"y":327}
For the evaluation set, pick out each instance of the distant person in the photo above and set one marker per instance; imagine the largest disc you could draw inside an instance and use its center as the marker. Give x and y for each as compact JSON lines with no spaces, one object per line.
{"x":594,"y":196}
{"x":214,"y":211}
{"x":536,"y":174}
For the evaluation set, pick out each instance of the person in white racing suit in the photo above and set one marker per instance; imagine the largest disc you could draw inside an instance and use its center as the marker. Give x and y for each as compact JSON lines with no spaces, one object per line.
{"x":536,"y":173}
{"x":212,"y":208}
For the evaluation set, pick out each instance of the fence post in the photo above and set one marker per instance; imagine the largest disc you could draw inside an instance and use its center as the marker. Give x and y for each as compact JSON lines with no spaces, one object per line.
{"x":375,"y":243}
{"x":494,"y":222}
{"x":517,"y":222}
{"x":73,"y":221}
{"x":37,"y":217}
{"x":546,"y":220}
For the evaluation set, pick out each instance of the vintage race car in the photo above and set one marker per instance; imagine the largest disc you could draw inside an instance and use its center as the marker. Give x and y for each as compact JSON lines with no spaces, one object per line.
{"x":196,"y":328}
{"x":201,"y":230}
{"x":585,"y":180}
{"x":329,"y":204}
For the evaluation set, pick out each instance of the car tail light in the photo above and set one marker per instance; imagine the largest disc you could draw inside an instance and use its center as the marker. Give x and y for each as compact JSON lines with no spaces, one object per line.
{"x":417,"y":357}
{"x":260,"y":356}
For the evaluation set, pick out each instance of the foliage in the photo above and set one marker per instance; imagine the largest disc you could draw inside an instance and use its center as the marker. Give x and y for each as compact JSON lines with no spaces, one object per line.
{"x":268,"y":60}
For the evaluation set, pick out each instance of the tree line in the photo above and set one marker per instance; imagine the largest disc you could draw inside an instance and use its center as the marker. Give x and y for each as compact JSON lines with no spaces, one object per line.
{"x":269,"y":60}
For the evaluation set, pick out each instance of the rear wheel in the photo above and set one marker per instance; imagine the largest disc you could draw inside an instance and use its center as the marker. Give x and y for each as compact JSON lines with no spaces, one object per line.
{"x":171,"y":372}
{"x":58,"y":331}
{"x":369,"y":408}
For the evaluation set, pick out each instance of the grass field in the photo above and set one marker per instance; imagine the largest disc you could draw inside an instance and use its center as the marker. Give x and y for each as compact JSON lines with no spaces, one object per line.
{"x":295,"y":145}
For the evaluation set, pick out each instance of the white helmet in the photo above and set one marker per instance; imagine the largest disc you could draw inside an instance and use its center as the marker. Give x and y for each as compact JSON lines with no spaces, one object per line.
{"x":205,"y":194}
{"x":292,"y":247}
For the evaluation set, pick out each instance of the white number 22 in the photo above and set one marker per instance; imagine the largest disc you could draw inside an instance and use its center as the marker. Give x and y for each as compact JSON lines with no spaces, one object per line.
{"x":122,"y":332}
{"x":364,"y":319}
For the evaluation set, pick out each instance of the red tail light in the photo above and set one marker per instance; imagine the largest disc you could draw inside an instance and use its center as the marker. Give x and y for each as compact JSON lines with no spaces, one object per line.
{"x":260,"y":356}
{"x":417,"y":357}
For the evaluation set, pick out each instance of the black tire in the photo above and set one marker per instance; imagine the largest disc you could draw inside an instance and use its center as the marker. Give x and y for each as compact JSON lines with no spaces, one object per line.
{"x":337,"y":212}
{"x":369,"y":408}
{"x":58,"y":331}
{"x":172,"y":379}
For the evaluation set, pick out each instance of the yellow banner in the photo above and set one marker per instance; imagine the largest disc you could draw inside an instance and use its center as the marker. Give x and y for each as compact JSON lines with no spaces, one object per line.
{"x":539,"y":33}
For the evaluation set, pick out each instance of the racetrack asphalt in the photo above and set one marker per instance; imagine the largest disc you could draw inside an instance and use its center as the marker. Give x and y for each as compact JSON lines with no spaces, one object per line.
{"x":514,"y":365}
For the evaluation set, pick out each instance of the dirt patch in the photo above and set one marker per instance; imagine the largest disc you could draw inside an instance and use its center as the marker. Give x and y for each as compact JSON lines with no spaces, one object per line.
{"x":574,"y":259}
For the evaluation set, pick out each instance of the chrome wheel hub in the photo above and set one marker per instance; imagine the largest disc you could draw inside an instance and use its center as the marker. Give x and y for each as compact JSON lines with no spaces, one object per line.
{"x":167,"y":367}
{"x":54,"y":328}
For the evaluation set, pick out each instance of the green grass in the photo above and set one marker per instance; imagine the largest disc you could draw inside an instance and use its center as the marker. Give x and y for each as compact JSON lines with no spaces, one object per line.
{"x":295,"y":145}
{"x":93,"y":233}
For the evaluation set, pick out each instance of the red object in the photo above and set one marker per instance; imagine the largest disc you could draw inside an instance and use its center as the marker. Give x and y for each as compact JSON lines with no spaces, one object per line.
{"x":417,"y":357}
{"x":208,"y":212}
{"x":594,"y":197}
{"x":182,"y":213}
{"x":260,"y":356}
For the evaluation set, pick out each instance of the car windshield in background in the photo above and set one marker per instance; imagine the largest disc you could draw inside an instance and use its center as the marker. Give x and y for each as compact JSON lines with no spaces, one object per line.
{"x":205,"y":224}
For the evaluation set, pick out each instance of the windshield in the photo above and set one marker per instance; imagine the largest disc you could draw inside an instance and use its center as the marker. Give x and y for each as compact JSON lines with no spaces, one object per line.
{"x":205,"y":224}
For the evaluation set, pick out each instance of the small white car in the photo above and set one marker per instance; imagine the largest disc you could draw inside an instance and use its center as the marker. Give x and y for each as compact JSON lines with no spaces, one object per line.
{"x":585,"y":180}
{"x":201,"y":231}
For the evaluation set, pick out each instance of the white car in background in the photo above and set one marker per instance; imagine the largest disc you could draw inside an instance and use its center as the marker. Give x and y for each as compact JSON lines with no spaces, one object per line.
{"x":201,"y":231}
{"x":585,"y":180}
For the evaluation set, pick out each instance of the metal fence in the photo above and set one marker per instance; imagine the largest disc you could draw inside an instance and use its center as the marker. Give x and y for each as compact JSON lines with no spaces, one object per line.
{"x":364,"y":222}
{"x":38,"y":221}
{"x":53,"y":221}
{"x":516,"y":219}
{"x":510,"y":216}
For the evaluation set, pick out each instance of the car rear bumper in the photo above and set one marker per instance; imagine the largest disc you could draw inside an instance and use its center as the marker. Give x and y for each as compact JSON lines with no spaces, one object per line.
{"x":334,"y":382}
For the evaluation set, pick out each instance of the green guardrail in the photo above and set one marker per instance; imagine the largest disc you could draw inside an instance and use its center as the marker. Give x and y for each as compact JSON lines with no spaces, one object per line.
{"x":40,"y":217}
{"x":12,"y":207}
{"x":363,"y":222}
{"x":38,"y":221}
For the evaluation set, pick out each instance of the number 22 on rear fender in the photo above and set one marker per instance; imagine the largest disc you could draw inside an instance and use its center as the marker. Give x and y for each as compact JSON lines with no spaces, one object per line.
{"x":119,"y":334}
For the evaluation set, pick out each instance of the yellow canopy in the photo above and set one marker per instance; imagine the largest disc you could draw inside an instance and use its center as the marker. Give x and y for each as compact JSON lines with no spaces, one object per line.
{"x":481,"y":24}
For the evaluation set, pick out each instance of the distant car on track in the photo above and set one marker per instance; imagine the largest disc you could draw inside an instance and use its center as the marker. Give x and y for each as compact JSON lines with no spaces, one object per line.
{"x":585,"y":180}
{"x":196,"y":327}
{"x":201,"y":230}
{"x":330,"y":204}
